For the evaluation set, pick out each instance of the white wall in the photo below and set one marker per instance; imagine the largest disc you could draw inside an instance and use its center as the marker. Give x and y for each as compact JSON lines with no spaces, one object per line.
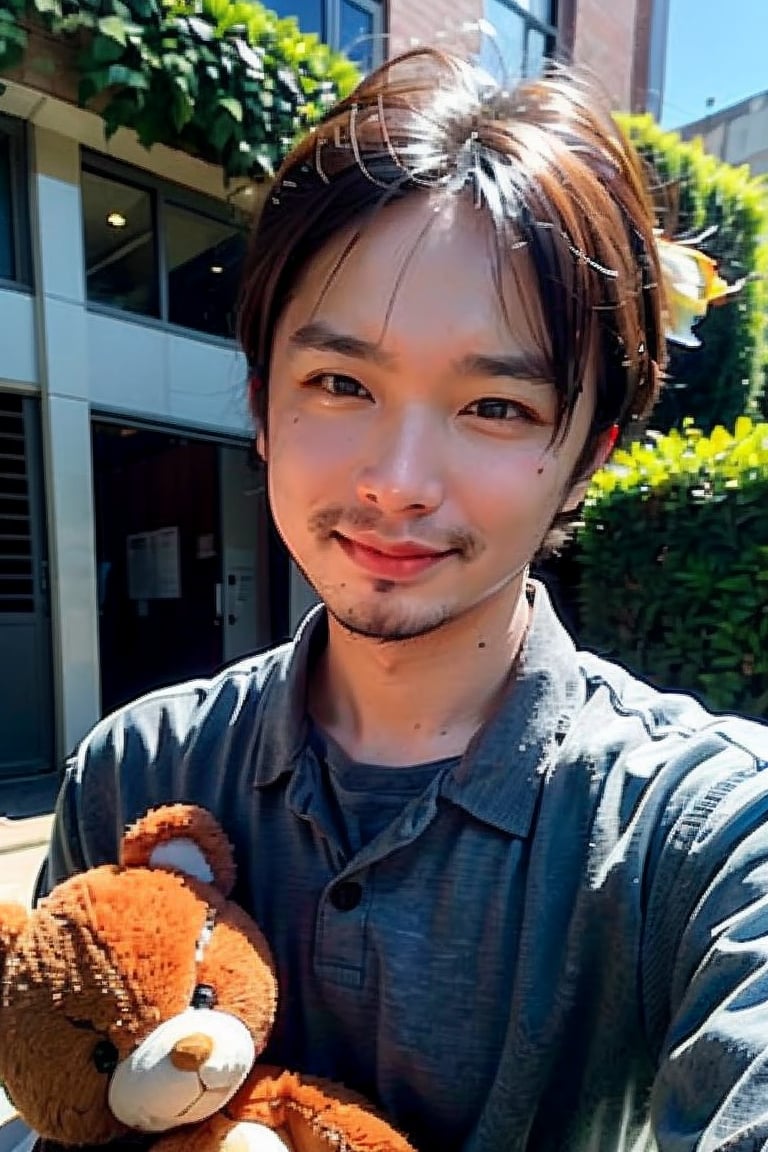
{"x":159,"y":374}
{"x":18,"y":350}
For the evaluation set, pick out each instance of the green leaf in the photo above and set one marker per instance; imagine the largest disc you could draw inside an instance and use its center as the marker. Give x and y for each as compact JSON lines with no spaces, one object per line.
{"x":234,"y":107}
{"x":114,"y":28}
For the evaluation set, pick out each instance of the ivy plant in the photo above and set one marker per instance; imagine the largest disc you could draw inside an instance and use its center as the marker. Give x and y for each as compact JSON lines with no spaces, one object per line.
{"x":224,"y":80}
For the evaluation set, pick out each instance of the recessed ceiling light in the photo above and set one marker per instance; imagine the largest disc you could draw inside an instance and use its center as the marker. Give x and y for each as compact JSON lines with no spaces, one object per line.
{"x":116,"y":220}
{"x":217,"y":269}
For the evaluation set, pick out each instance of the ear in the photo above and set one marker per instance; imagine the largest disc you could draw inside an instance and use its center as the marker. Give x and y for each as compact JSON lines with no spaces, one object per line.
{"x":603,"y":449}
{"x":261,"y":442}
{"x":185,"y":839}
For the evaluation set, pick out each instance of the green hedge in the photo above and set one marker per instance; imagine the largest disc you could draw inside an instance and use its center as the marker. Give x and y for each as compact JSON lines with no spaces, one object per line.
{"x":673,"y":560}
{"x":224,"y":80}
{"x":694,"y":191}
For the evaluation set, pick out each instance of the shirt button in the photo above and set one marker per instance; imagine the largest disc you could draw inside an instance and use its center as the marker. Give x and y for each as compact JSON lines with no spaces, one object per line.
{"x":346,"y":895}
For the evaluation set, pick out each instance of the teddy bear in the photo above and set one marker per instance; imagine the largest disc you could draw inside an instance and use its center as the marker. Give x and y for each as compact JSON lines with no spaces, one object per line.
{"x":137,"y":999}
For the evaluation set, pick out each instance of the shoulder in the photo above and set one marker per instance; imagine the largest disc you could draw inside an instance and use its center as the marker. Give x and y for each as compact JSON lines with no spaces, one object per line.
{"x":166,"y":719}
{"x":659,"y":717}
{"x":662,"y":765}
{"x":204,"y":741}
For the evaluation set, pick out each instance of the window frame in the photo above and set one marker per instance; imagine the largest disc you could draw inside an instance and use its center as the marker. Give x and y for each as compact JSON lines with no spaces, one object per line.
{"x":549,"y":30}
{"x":162,"y":192}
{"x":16,"y":131}
{"x":374,"y":8}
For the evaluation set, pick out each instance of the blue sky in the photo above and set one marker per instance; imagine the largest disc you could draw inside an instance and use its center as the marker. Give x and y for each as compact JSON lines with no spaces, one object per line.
{"x":716,"y":48}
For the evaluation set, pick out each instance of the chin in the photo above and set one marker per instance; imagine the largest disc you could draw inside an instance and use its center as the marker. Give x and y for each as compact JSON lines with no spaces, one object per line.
{"x":390,"y":622}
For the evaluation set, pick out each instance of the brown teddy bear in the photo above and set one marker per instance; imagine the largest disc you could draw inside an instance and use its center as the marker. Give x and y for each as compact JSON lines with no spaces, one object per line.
{"x":138,"y":998}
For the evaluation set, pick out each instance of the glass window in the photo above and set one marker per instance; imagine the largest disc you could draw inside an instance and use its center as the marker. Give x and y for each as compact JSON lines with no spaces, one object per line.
{"x":203,"y":259}
{"x":535,"y":52}
{"x":519,"y":47}
{"x":309,"y":13}
{"x":357,"y":29}
{"x":7,"y":248}
{"x":120,"y":245}
{"x":350,"y":26}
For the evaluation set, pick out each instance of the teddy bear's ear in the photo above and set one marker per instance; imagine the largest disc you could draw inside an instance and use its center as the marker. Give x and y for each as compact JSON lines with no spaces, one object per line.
{"x":13,"y":921}
{"x":181,"y":838}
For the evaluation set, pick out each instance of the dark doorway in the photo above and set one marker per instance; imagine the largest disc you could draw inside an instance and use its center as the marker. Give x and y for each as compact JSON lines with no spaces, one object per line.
{"x":157,"y":513}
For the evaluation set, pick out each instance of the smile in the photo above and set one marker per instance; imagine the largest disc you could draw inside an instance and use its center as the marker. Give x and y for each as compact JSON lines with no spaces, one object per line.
{"x":396,"y":562}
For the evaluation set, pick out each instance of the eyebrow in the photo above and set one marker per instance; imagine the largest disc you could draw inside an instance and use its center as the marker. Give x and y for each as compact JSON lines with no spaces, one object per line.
{"x":517,"y":366}
{"x":320,"y":337}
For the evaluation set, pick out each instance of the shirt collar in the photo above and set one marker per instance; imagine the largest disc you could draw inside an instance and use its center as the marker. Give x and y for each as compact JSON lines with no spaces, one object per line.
{"x":499,"y":778}
{"x":283,"y":719}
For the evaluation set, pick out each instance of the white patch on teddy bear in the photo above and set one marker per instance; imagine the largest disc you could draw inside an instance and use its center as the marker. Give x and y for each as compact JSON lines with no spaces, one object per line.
{"x":182,"y":855}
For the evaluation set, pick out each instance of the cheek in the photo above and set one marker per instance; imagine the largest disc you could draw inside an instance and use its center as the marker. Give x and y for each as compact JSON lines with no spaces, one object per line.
{"x":307,"y":466}
{"x":523,"y":481}
{"x":298,"y":440}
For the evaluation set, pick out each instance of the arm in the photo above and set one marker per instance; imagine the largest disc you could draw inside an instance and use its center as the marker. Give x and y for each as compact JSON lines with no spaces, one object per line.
{"x":138,"y":758}
{"x":705,"y":953}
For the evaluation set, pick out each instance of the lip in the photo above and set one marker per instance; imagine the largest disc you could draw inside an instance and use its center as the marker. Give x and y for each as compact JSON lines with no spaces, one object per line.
{"x":392,"y":561}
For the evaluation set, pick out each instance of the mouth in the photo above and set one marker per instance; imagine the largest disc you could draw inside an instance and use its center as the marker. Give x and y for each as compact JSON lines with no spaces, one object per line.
{"x":392,"y":561}
{"x":215,"y":1094}
{"x":185,"y":1111}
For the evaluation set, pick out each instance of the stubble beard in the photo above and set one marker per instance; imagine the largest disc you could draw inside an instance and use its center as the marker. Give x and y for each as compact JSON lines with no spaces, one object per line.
{"x":387,"y":624}
{"x":385,"y":621}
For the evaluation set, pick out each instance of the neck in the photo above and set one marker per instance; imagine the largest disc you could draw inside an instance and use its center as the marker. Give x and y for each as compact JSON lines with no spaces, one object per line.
{"x":411,"y":701}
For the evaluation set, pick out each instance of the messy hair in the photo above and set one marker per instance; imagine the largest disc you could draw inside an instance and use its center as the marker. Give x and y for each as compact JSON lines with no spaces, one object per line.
{"x":549,"y":167}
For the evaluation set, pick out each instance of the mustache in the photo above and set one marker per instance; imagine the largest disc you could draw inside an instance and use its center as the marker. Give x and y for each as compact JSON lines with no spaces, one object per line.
{"x":326,"y":521}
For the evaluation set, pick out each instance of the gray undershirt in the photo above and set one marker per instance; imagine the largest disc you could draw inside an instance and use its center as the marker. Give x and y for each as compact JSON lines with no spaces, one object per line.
{"x":368,"y":797}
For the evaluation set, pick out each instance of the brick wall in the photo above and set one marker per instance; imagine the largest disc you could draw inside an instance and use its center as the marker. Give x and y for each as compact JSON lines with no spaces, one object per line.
{"x":425,"y":20}
{"x":601,"y":34}
{"x":604,"y":44}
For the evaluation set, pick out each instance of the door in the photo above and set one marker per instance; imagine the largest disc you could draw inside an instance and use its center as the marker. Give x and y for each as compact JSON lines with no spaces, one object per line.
{"x":26,"y":680}
{"x":156,"y":497}
{"x":244,"y":545}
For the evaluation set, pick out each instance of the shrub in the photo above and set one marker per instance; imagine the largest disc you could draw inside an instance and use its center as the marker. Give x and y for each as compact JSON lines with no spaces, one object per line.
{"x":695,"y":192}
{"x":225,"y":80}
{"x":673,"y":556}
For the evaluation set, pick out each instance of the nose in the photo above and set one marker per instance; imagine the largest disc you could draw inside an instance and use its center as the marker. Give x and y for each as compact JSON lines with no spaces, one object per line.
{"x":402,"y":473}
{"x":191,"y":1052}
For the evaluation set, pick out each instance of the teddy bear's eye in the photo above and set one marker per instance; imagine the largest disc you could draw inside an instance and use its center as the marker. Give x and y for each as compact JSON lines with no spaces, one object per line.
{"x":204,"y":996}
{"x":105,"y":1057}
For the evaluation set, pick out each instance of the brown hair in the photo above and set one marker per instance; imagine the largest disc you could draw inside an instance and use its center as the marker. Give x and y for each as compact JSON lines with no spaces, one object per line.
{"x":547,"y":163}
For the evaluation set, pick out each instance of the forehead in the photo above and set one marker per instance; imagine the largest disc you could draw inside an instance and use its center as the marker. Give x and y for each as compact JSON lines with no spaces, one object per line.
{"x":422,"y":273}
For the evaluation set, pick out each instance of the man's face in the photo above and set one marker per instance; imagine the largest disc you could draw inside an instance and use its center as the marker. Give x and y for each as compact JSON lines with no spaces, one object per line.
{"x":411,"y":470}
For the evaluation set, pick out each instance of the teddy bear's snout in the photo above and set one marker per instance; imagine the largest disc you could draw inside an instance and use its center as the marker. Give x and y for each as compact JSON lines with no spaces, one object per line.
{"x":191,"y":1052}
{"x":186,"y":1069}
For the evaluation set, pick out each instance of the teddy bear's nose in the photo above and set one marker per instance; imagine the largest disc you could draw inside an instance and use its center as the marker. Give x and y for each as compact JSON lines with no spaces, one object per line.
{"x":191,"y":1052}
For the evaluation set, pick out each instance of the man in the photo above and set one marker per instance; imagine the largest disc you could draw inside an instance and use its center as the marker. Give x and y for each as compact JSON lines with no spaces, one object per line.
{"x":515,"y":896}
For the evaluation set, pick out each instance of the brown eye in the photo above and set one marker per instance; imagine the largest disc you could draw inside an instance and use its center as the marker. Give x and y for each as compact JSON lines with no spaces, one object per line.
{"x":499,"y":408}
{"x":204,"y":996}
{"x":337,"y":385}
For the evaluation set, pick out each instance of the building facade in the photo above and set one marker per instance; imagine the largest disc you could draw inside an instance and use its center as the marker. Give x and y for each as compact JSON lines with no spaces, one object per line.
{"x":738,"y":134}
{"x":135,"y":541}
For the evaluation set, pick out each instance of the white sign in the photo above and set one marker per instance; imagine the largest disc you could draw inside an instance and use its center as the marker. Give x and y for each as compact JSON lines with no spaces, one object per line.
{"x":154,"y":569}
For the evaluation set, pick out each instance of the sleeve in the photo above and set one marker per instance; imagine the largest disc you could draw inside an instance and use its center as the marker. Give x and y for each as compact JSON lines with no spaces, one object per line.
{"x":132,"y":761}
{"x":704,"y":968}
